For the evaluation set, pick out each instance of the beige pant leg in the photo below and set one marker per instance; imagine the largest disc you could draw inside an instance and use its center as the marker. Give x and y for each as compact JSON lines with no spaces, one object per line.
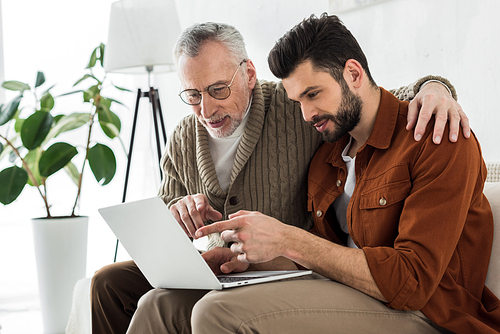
{"x":301,"y":306}
{"x":164,"y":311}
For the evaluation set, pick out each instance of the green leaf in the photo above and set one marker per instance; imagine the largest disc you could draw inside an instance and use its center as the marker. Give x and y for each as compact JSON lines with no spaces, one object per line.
{"x":10,"y":110}
{"x":111,"y":129}
{"x":122,"y":88}
{"x":12,"y":156}
{"x":35,"y":129}
{"x":116,"y":101}
{"x":32,"y":159}
{"x":13,"y":180}
{"x":47,"y":90}
{"x":70,"y":93}
{"x":68,"y":123}
{"x":47,"y":102}
{"x":110,"y":123}
{"x":86,"y":76}
{"x":57,"y":118}
{"x":87,"y":96}
{"x":56,"y":157}
{"x":16,"y":86}
{"x":105,"y":102}
{"x":91,"y":93}
{"x":40,"y":79}
{"x":72,"y":171}
{"x":101,"y":54}
{"x":102,"y":162}
{"x":93,"y":59}
{"x":19,"y":125}
{"x":1,"y":148}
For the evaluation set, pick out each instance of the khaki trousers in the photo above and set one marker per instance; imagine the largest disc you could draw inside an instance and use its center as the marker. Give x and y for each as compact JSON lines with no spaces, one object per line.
{"x":307,"y":305}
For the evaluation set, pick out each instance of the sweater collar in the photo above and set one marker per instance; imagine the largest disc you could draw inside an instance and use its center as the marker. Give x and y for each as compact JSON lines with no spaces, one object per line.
{"x":253,"y":131}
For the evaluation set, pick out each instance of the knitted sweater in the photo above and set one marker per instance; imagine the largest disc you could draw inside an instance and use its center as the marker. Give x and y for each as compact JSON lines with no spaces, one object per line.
{"x":269,"y":174}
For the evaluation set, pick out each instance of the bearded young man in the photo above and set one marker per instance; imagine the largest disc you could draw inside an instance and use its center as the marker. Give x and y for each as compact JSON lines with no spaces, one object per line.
{"x":402,"y":230}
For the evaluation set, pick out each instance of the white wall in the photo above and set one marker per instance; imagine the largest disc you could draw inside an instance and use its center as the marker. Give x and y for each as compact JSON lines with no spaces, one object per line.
{"x":458,"y":39}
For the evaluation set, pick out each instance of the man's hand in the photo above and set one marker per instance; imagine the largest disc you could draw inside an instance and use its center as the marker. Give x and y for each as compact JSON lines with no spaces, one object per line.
{"x":434,"y":98}
{"x":223,"y":261}
{"x":260,"y":239}
{"x":255,"y":236}
{"x":192,"y":210}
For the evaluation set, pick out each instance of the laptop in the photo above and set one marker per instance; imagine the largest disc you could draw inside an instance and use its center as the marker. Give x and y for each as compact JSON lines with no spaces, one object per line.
{"x":165,"y":254}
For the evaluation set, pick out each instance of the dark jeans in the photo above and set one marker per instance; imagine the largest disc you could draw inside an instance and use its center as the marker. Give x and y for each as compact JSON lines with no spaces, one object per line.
{"x":114,"y":294}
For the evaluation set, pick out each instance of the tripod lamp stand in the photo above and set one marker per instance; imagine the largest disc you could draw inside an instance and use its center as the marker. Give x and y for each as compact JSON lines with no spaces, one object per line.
{"x":141,"y":37}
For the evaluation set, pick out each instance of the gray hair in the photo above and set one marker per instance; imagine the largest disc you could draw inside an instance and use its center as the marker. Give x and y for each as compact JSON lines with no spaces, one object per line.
{"x":191,"y":40}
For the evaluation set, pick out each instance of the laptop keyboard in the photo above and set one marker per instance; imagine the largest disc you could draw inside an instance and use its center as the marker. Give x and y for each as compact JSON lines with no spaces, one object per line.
{"x":236,"y":279}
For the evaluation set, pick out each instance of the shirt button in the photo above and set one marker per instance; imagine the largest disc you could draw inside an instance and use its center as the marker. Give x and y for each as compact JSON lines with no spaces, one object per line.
{"x":234,"y":200}
{"x":339,"y":183}
{"x":382,"y":201}
{"x":319,"y":213}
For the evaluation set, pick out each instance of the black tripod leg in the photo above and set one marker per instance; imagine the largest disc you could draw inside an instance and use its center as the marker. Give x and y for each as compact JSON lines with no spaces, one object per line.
{"x":160,"y":113}
{"x":129,"y":156}
{"x":154,"y":99}
{"x":131,"y":146}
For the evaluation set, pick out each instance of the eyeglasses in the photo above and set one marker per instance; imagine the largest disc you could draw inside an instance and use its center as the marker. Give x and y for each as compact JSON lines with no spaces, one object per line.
{"x":217,"y":91}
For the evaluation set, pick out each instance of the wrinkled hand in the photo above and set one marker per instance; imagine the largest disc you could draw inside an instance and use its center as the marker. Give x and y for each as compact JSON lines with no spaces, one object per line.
{"x":434,"y":98}
{"x":192,"y":210}
{"x":256,"y":237}
{"x":223,"y":261}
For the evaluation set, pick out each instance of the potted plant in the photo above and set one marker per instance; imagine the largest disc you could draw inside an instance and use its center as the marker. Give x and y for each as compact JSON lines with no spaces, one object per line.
{"x":31,"y":138}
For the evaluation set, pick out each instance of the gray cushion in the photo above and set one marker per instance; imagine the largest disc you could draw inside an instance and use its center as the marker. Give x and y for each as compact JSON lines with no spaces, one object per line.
{"x":492,"y":192}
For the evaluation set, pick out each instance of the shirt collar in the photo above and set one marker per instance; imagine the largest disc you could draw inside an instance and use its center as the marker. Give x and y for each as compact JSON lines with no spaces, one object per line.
{"x":385,"y":123}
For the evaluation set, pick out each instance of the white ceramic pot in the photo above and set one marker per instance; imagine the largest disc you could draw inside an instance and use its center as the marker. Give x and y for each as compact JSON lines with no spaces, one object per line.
{"x":61,"y":260}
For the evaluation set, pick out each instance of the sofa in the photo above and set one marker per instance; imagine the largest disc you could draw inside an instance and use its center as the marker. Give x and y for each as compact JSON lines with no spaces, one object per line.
{"x":492,"y":192}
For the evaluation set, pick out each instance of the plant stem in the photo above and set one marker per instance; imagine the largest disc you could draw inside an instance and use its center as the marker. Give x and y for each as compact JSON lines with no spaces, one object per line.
{"x":91,"y":123}
{"x":30,"y":175}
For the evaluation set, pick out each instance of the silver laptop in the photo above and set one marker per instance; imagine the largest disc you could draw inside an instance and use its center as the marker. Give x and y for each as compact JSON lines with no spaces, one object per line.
{"x":165,"y":254}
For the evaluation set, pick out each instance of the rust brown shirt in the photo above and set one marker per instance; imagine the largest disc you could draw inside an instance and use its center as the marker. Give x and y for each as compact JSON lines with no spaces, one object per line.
{"x":419,"y":214}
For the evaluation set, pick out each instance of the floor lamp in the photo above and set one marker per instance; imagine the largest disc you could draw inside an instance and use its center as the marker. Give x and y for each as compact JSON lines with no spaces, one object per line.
{"x":142,"y":35}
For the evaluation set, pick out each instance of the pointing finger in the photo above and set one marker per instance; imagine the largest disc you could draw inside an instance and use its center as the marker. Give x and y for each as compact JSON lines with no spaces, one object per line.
{"x":217,"y":227}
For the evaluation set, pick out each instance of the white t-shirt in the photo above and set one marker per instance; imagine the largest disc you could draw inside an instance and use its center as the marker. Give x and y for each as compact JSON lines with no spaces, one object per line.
{"x":341,"y":203}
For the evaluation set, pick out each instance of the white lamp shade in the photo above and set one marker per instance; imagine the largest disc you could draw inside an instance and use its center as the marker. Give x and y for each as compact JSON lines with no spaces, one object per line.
{"x":142,"y":33}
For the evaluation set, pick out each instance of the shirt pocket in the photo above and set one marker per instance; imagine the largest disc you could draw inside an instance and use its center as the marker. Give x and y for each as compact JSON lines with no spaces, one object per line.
{"x":380,"y":212}
{"x":385,"y":196}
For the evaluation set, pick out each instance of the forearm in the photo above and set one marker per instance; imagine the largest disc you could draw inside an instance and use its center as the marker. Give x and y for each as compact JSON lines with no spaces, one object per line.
{"x":339,"y":263}
{"x":407,"y":93}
